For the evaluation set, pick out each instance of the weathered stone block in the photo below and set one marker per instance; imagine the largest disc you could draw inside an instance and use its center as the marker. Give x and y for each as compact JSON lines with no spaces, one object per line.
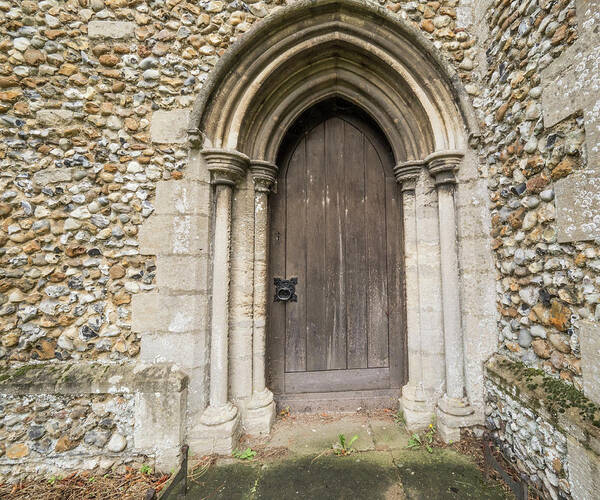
{"x":90,"y":378}
{"x":54,"y":117}
{"x":570,"y":82}
{"x":589,"y":338}
{"x":174,"y":235}
{"x":578,"y":206}
{"x":258,"y":421}
{"x":152,"y":312}
{"x":169,"y":348}
{"x":182,"y":273}
{"x":220,"y":439}
{"x":168,"y":127}
{"x":584,"y":466}
{"x":182,"y":198}
{"x":51,"y":176}
{"x":110,"y":29}
{"x":160,"y":426}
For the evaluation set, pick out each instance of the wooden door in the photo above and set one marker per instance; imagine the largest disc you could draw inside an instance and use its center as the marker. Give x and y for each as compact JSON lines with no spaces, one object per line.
{"x":336,"y":226}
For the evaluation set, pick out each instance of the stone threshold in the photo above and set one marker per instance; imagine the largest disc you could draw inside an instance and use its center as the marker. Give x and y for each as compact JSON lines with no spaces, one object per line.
{"x":526,"y":385}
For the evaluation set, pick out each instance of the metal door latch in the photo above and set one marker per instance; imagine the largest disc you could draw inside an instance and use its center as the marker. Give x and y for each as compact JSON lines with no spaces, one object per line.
{"x":285,"y":290}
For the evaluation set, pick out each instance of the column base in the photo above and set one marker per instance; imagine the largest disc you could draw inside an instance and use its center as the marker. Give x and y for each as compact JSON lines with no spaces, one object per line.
{"x":417,"y":410}
{"x":218,"y":432}
{"x":260,"y":413}
{"x":452,"y":414}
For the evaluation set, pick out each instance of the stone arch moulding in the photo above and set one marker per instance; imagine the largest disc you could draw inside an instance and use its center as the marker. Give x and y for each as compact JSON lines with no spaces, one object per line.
{"x":303,"y":54}
{"x":312,"y":50}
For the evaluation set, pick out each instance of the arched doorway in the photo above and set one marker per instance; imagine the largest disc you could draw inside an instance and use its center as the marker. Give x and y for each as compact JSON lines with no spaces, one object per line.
{"x":306,"y":54}
{"x":336,"y":227}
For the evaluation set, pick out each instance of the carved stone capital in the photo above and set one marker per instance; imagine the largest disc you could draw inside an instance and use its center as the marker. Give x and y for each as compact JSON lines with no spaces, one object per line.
{"x":407,"y":174}
{"x":194,"y":137}
{"x":264,"y":174}
{"x":226,"y":166}
{"x":442,"y":165}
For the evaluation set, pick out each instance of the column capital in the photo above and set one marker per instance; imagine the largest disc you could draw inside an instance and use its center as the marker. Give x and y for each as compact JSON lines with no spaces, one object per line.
{"x":225,"y":165}
{"x":264,"y":174}
{"x":195,"y":137}
{"x":407,"y":174}
{"x":442,"y":165}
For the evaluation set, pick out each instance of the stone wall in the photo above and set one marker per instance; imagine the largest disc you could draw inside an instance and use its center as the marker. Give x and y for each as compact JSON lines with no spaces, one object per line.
{"x":55,"y":419}
{"x":548,"y":429}
{"x":540,"y":146}
{"x":541,"y":281}
{"x":93,"y":111}
{"x":58,"y":433}
{"x":95,"y":98}
{"x":530,"y":441}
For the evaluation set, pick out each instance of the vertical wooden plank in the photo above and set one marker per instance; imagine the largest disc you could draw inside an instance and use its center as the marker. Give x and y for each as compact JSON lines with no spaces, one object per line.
{"x":335,"y":285}
{"x":295,"y":262}
{"x":377,"y":299}
{"x":276,"y":317}
{"x":316,"y":336}
{"x":395,"y":263}
{"x":356,"y":270}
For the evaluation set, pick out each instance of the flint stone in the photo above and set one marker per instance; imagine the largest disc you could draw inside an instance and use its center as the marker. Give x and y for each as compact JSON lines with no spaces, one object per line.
{"x":100,"y":221}
{"x":524,"y":338}
{"x":96,"y":438}
{"x":538,"y":331}
{"x":117,"y":443}
{"x":36,"y":432}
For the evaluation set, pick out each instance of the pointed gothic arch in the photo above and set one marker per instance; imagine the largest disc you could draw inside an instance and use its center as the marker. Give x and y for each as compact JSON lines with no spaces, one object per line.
{"x":303,"y":54}
{"x":314,"y":50}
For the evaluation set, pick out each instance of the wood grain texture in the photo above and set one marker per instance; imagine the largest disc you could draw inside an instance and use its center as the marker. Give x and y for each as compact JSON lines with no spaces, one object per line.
{"x":356,"y":251}
{"x":295,"y":260}
{"x":337,"y":380}
{"x":316,"y":265}
{"x":336,"y":224}
{"x":335,"y":283}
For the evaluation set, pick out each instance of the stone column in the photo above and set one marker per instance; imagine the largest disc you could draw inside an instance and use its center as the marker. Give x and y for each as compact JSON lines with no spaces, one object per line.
{"x":453,"y":407}
{"x":261,"y":408}
{"x":413,"y":402}
{"x":220,"y":421}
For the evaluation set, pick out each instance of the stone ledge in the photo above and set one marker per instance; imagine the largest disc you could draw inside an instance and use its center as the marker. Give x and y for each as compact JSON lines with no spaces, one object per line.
{"x":501,"y":371}
{"x":91,"y":378}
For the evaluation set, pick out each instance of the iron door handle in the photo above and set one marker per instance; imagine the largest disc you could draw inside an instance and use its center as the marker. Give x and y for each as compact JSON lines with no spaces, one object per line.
{"x":285,"y":290}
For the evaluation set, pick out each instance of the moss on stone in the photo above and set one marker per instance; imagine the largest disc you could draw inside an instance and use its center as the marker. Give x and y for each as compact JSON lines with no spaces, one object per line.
{"x":559,"y":396}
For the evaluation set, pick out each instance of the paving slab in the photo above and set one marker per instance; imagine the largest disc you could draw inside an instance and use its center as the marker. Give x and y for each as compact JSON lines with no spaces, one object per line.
{"x":360,"y":475}
{"x":442,"y":474}
{"x":313,"y":436}
{"x":388,"y":435}
{"x":230,"y":481}
{"x":297,"y":461}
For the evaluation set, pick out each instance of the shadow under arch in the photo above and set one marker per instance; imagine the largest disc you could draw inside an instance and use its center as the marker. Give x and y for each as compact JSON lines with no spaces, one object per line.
{"x":319,"y":49}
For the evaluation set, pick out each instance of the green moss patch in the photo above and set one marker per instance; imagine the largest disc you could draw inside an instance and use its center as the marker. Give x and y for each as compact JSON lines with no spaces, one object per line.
{"x":558,"y":395}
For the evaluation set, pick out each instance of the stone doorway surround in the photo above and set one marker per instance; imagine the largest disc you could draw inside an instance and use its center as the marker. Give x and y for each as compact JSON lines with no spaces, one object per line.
{"x":209,"y":315}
